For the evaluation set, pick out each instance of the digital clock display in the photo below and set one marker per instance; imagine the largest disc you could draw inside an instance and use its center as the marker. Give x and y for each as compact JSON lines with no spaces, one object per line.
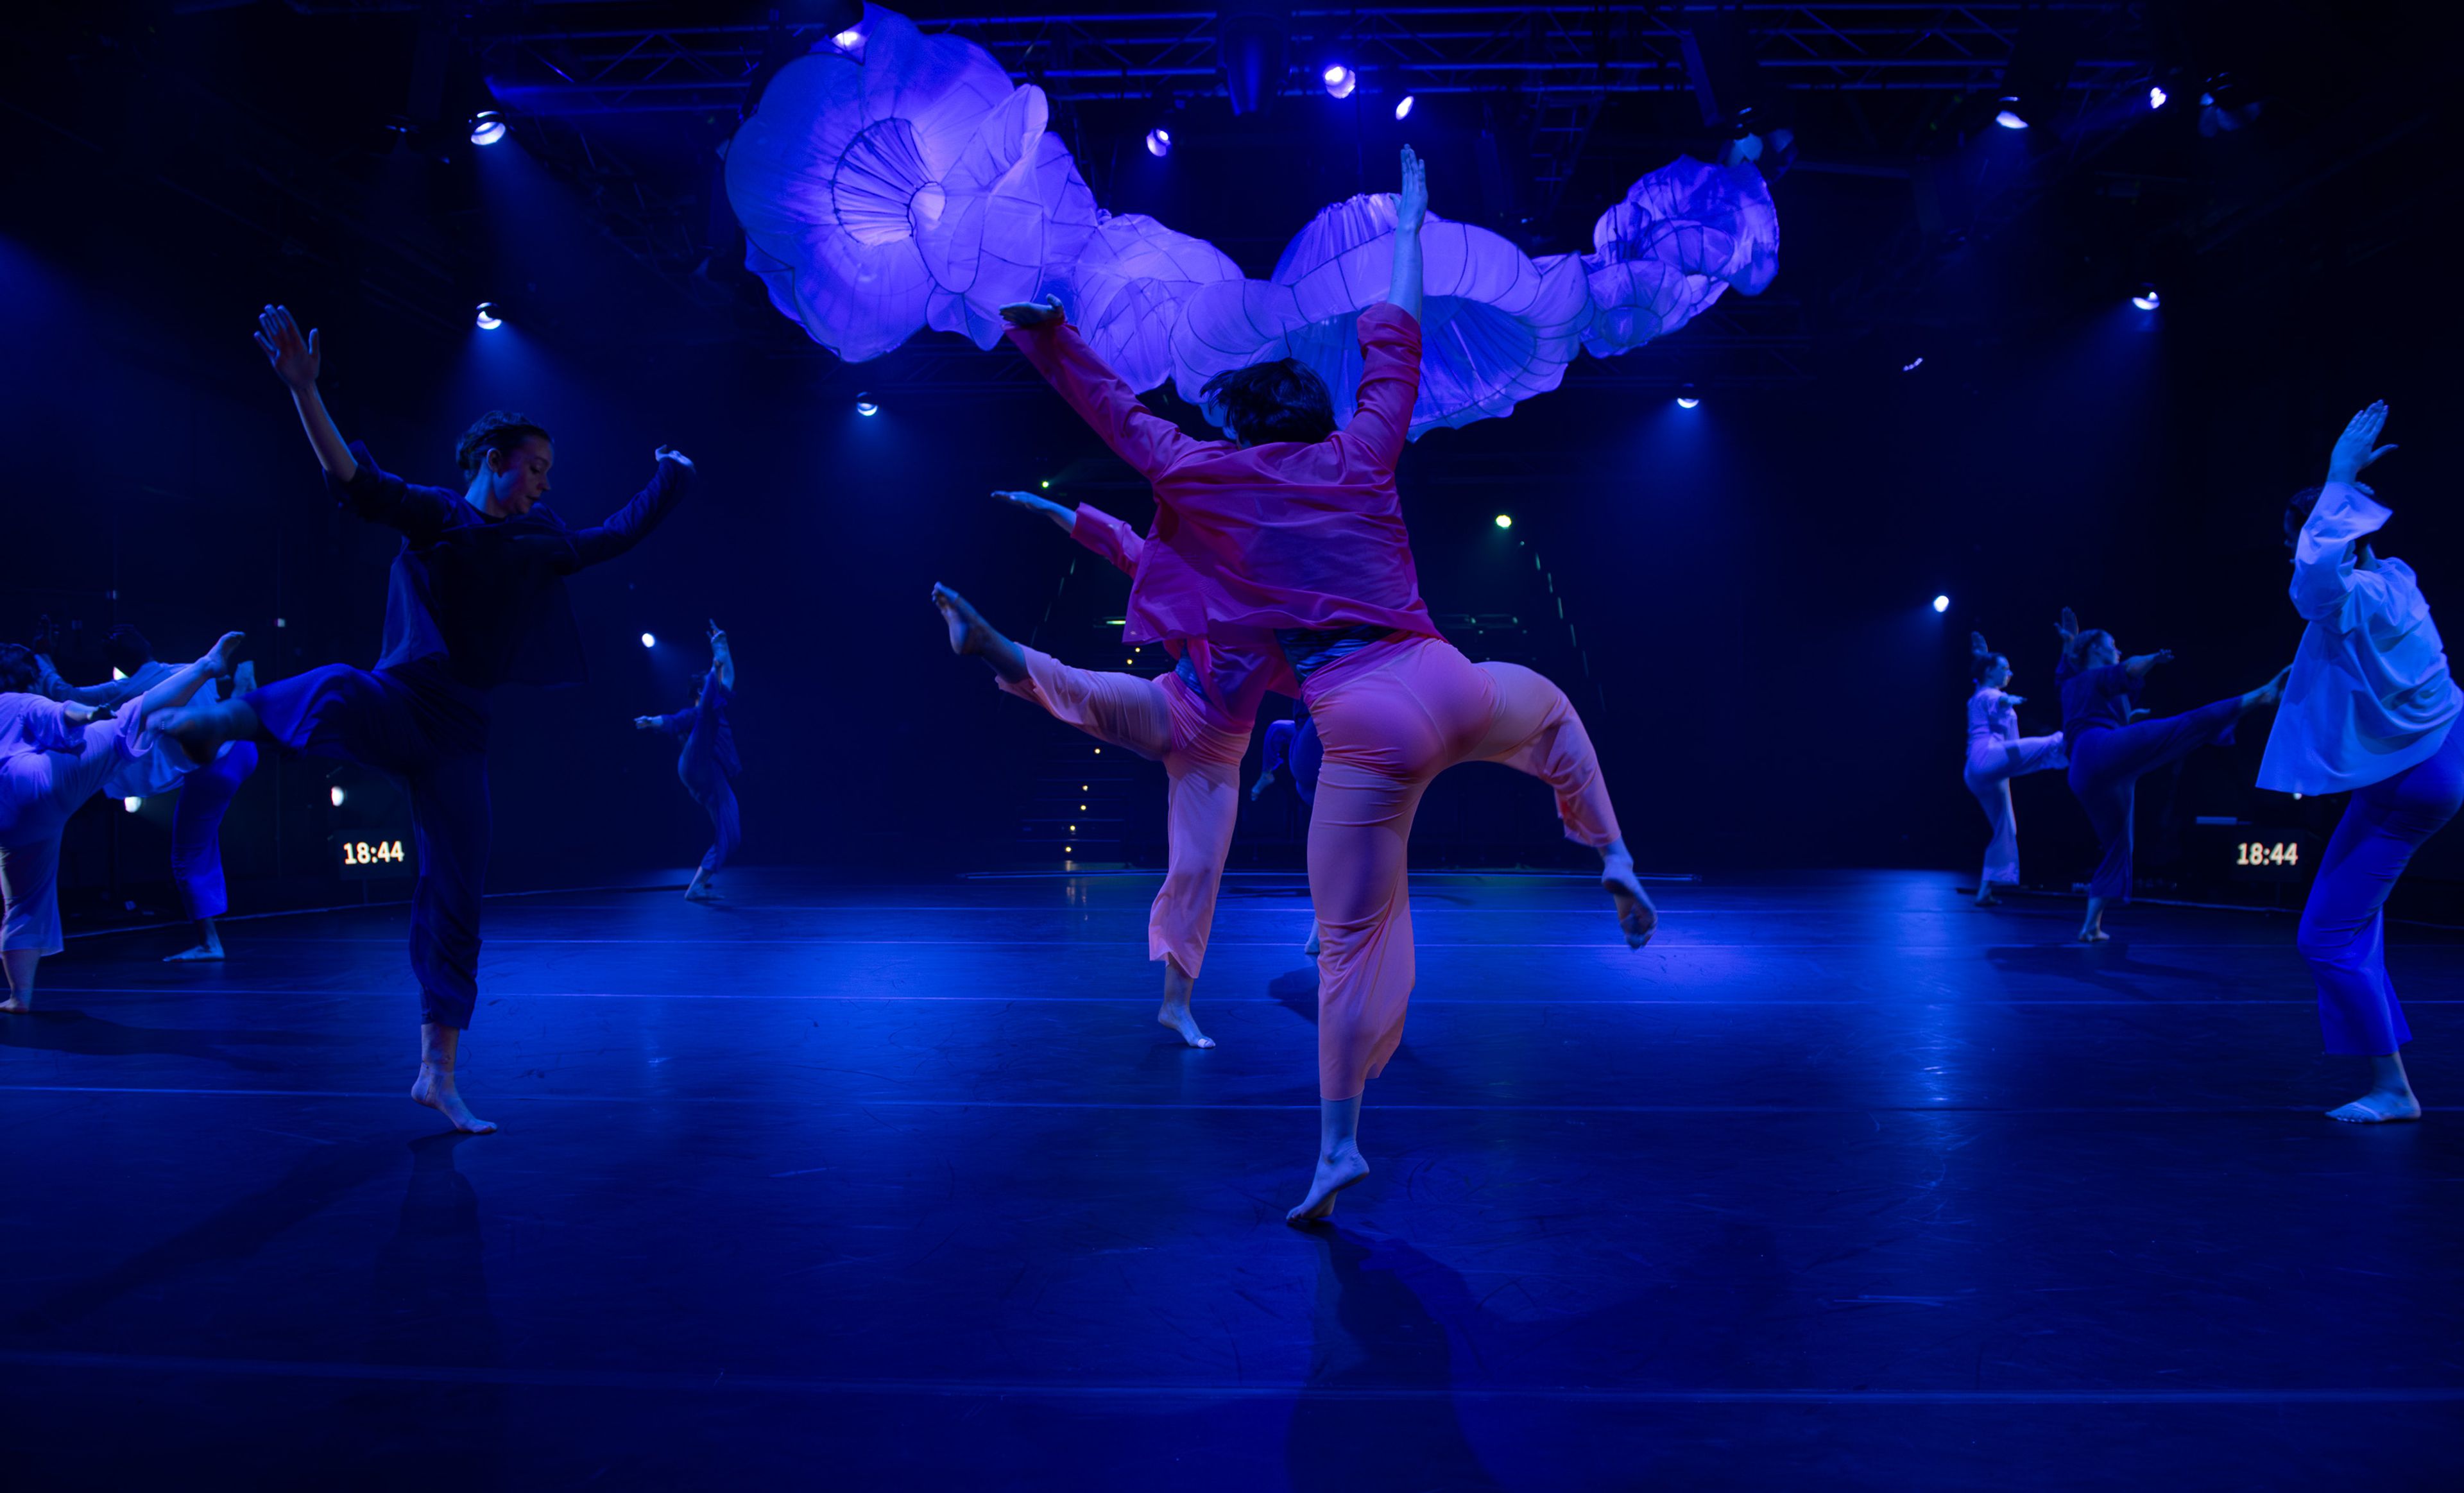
{"x":368,"y":857}
{"x":2267,"y":852}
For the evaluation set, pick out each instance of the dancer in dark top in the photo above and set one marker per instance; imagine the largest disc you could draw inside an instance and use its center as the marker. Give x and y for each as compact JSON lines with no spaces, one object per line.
{"x":476,"y":600}
{"x":708,"y":764}
{"x":2111,"y":747}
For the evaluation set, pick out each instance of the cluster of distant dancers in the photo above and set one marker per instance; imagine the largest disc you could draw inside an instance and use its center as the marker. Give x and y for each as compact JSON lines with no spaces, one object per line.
{"x":1279,"y":564}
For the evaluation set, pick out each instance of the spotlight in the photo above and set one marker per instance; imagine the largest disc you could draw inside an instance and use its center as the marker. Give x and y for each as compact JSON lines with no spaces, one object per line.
{"x":650,"y":640}
{"x":2155,"y":95}
{"x":1339,"y":81}
{"x":489,"y":320}
{"x":1506,"y":521}
{"x":1045,"y":484}
{"x":2009,"y":117}
{"x":337,"y":796}
{"x":1688,"y":401}
{"x":1403,"y":107}
{"x":865,"y":405}
{"x":1158,"y":141}
{"x":848,"y":40}
{"x":132,"y":805}
{"x":2148,"y":300}
{"x":1941,"y":603}
{"x":1913,"y":363}
{"x":487,"y":127}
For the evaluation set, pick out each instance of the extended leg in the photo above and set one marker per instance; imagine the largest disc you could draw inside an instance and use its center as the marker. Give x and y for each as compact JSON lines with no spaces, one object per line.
{"x":1203,"y":807}
{"x":30,"y":887}
{"x":450,"y":820}
{"x":2002,"y":852}
{"x":1533,"y":728}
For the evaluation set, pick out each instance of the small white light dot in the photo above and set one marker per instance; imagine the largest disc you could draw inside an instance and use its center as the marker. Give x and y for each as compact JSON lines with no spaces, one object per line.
{"x":132,"y":805}
{"x":1687,"y":402}
{"x":336,"y":796}
{"x":2010,"y":120}
{"x":488,"y":320}
{"x":1403,"y":107}
{"x":650,"y":640}
{"x":1158,"y":141}
{"x":2155,"y":95}
{"x":1506,"y":521}
{"x":1941,"y":603}
{"x":487,"y":127}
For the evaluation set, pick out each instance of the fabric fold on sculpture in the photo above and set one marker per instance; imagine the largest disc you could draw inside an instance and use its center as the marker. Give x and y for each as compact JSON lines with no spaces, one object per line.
{"x":1131,"y":285}
{"x":1682,"y":235}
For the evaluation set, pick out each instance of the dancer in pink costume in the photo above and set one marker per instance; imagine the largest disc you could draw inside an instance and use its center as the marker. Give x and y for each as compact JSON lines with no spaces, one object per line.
{"x":1997,"y":754}
{"x":1195,"y":720}
{"x":1291,"y":536}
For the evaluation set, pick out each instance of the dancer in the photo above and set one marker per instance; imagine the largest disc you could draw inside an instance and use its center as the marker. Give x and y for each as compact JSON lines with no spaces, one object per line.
{"x":2372,"y":710}
{"x":1195,"y":720}
{"x":53,"y":757}
{"x":2111,"y":747}
{"x":478,"y":599}
{"x":1294,"y":743}
{"x":708,"y":764}
{"x":203,"y":794}
{"x":1291,"y":530}
{"x":1997,"y":754}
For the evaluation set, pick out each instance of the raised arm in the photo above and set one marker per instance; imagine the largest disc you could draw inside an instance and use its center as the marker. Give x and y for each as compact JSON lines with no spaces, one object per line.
{"x":1411,"y":210}
{"x":2325,"y":561}
{"x":631,"y":523}
{"x":1111,"y":408}
{"x":722,"y":658}
{"x":296,"y":362}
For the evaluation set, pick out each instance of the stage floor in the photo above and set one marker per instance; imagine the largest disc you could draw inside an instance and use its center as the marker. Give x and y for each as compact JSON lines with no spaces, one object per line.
{"x":1840,"y":1184}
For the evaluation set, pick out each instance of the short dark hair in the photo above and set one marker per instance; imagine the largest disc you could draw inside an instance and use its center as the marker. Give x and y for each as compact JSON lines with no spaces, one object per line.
{"x":18,"y":674}
{"x":1280,"y":400}
{"x":1979,"y":665}
{"x":2082,"y":641}
{"x":2296,"y":512}
{"x":497,"y":431}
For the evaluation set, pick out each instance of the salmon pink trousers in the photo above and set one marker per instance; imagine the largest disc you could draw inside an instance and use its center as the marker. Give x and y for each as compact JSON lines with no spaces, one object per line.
{"x":1166,"y":721}
{"x":1392,"y":716}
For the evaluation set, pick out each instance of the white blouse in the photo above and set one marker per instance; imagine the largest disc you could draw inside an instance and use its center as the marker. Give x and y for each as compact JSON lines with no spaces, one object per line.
{"x":2370,"y":693}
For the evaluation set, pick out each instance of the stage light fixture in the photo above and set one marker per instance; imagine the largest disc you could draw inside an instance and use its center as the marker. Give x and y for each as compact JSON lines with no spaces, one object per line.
{"x":1403,"y":107}
{"x":487,"y":127}
{"x":865,"y":407}
{"x":1941,"y":603}
{"x":1913,"y":363}
{"x":488,"y":320}
{"x":1045,"y":484}
{"x":1159,"y":142}
{"x":1688,"y":401}
{"x":337,"y":796}
{"x":2009,"y":117}
{"x":1339,"y":81}
{"x":2146,"y":299}
{"x":650,"y":640}
{"x":132,"y":805}
{"x":2155,"y":95}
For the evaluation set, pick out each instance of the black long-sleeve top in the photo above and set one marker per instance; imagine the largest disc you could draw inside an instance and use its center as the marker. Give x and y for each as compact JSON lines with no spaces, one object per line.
{"x":488,"y":594}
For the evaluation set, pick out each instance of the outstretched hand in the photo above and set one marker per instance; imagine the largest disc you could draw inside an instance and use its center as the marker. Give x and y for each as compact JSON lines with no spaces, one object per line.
{"x":1412,"y":203}
{"x":717,"y":638}
{"x":2353,"y":451}
{"x":2068,"y":626}
{"x":2139,"y":667}
{"x":1034,"y":313}
{"x":645,"y":723}
{"x":671,"y":454}
{"x":296,"y":359}
{"x":1059,"y":514}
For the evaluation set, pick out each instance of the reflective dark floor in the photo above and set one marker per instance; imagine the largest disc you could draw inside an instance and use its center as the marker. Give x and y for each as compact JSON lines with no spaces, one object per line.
{"x":1840,"y":1184}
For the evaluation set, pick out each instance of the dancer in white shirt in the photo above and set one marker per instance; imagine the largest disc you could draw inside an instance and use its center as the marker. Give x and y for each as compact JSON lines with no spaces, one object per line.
{"x":1997,"y":754}
{"x":2371,"y":711}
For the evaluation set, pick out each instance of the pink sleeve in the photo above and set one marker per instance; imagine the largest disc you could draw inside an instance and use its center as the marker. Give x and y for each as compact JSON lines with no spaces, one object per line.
{"x":1108,"y":536}
{"x":1389,"y":381}
{"x":1137,"y":434}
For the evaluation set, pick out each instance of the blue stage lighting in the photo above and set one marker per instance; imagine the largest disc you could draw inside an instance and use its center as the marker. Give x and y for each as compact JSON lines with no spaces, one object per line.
{"x":1506,"y":521}
{"x":1339,"y":81}
{"x":1941,"y":603}
{"x":489,"y":320}
{"x":650,"y":640}
{"x":1403,"y":107}
{"x":2155,"y":95}
{"x":865,"y":405}
{"x":1686,"y":401}
{"x":487,"y":127}
{"x":2010,"y":118}
{"x":2148,"y":300}
{"x":1158,"y":141}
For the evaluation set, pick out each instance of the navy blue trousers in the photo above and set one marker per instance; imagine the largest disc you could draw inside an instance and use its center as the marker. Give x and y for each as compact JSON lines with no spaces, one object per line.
{"x":197,"y":829}
{"x":2106,"y":764}
{"x":422,"y":727}
{"x":2344,"y":925}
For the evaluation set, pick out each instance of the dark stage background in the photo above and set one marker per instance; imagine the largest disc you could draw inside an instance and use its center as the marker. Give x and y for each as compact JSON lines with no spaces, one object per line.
{"x":1744,"y":585}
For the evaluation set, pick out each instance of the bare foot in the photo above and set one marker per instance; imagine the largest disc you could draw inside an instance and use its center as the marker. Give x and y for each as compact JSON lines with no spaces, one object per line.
{"x":18,"y":1005}
{"x":2378,"y":1107}
{"x":701,"y":890}
{"x":1637,"y":919}
{"x":2269,"y":692}
{"x":970,"y":636}
{"x":225,"y":654}
{"x":2094,"y":935}
{"x":436,"y":1089}
{"x":1176,"y":1015}
{"x":200,"y":955}
{"x":1987,"y":899}
{"x":1336,"y":1172}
